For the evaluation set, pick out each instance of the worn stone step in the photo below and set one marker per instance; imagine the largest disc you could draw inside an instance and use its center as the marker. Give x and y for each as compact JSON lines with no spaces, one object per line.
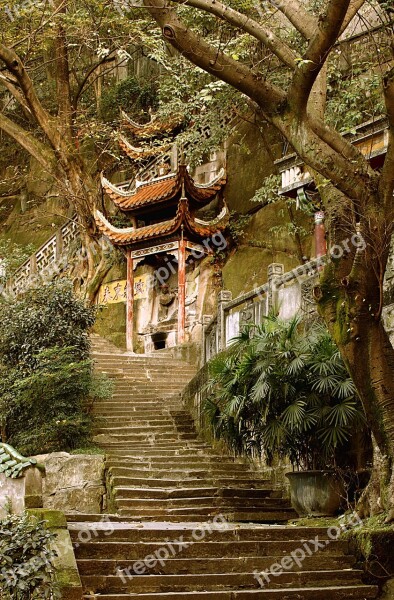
{"x":134,"y":482}
{"x":217,"y":581}
{"x":237,"y":497}
{"x":230,"y":549}
{"x":219,"y":530}
{"x":181,"y":566}
{"x":202,"y":513}
{"x":359,"y":592}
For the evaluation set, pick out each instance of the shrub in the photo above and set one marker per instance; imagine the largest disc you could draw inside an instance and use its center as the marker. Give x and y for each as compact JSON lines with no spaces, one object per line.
{"x":284,"y":390}
{"x":26,"y":560}
{"x":47,"y":381}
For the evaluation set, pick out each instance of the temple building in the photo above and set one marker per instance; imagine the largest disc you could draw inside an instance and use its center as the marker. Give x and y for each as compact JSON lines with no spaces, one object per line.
{"x":172,"y":224}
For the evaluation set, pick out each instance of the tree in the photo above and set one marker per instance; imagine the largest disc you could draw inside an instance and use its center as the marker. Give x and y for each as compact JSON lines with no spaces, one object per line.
{"x":54,"y":58}
{"x":355,"y":197}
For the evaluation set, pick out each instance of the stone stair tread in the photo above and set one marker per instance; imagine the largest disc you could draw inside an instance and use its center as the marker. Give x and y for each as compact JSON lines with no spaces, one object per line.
{"x":357,"y":592}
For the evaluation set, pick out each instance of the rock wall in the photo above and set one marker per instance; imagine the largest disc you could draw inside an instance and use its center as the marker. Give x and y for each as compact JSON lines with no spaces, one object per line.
{"x":73,"y":483}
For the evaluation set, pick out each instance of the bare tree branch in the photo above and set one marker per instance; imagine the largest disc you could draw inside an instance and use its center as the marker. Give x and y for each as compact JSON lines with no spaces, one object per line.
{"x":42,"y":117}
{"x":319,"y":47}
{"x":300,"y":18}
{"x":40,"y":151}
{"x":93,"y":68}
{"x":353,"y":9}
{"x":215,"y":62}
{"x":242,"y":21}
{"x":9,"y":85}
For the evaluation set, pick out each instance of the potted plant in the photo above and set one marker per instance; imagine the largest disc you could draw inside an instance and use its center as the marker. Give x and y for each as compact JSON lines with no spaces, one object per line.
{"x":284,"y":390}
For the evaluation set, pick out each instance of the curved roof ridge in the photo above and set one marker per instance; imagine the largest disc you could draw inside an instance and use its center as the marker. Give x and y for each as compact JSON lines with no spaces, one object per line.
{"x":127,"y":118}
{"x":99,"y":215}
{"x":114,"y":188}
{"x":223,"y":213}
{"x":217,"y":179}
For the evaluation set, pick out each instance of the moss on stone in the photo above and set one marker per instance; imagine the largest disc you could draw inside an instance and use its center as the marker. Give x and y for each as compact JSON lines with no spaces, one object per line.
{"x":111,"y":323}
{"x":54,"y":519}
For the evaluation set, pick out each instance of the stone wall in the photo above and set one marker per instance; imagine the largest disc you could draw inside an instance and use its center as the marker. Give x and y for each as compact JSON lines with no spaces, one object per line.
{"x":73,"y":483}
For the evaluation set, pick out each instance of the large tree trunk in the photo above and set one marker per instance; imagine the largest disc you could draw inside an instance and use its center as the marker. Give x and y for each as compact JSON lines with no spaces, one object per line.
{"x":349,"y":307}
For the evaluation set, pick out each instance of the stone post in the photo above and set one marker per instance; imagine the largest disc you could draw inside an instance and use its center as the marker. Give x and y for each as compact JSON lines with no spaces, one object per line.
{"x":206,"y":319}
{"x":224,"y":297}
{"x":275,"y":272}
{"x":59,"y":245}
{"x":320,"y":235}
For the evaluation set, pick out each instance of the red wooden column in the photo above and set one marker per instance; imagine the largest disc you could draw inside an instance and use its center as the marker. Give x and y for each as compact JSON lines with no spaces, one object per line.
{"x":130,"y":302}
{"x":320,"y":235}
{"x":181,"y":290}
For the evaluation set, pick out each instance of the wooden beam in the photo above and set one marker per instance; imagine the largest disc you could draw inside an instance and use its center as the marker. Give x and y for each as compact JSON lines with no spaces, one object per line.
{"x":181,"y":291}
{"x":130,"y":302}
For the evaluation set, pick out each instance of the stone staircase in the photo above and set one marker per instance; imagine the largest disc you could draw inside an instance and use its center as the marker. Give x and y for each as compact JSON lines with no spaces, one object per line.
{"x":187,"y":521}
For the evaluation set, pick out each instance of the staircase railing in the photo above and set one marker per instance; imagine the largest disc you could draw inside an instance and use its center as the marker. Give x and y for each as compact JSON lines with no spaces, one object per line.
{"x":290,"y":293}
{"x":45,"y":260}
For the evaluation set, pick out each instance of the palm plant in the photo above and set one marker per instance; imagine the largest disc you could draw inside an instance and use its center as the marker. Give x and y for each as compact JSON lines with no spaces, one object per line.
{"x":281,"y":389}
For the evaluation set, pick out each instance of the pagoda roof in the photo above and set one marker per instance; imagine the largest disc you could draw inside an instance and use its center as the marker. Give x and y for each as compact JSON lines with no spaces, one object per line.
{"x":137,"y":153}
{"x":182,"y":220}
{"x":153,"y":128}
{"x":164,"y":189}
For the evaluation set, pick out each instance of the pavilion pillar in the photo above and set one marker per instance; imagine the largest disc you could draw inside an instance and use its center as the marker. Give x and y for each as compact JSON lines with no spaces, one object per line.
{"x":181,"y":291}
{"x":130,"y":302}
{"x":320,"y":235}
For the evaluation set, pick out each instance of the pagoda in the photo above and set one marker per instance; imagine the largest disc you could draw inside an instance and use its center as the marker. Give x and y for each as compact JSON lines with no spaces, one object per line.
{"x":164,"y":219}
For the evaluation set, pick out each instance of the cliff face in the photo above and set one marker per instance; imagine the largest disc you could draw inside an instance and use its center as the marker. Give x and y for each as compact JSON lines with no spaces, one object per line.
{"x":30,"y":206}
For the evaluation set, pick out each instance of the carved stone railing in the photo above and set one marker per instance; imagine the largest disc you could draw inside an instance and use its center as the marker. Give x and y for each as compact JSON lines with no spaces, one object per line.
{"x":290,"y":293}
{"x":44,"y":262}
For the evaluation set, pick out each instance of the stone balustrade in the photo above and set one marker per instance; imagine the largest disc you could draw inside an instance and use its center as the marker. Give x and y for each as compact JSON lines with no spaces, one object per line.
{"x":290,"y":293}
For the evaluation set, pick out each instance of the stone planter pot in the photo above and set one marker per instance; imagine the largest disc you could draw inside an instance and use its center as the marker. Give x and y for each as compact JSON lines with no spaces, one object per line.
{"x":316,"y":493}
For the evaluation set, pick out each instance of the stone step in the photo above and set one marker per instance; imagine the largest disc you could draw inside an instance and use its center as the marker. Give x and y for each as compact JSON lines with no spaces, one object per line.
{"x":179,"y":443}
{"x":245,"y":496}
{"x":220,"y":530}
{"x":134,"y":482}
{"x":204,"y":513}
{"x":124,"y":550}
{"x":168,"y":430}
{"x":217,"y":581}
{"x":359,"y":592}
{"x":181,"y":566}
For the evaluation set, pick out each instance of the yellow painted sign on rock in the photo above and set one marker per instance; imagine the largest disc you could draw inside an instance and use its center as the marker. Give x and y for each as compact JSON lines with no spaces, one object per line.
{"x":116,"y":291}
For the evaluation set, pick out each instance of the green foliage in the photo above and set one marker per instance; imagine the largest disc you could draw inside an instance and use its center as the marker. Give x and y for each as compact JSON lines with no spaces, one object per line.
{"x":353,"y":100}
{"x":237,"y":226}
{"x":47,"y":316}
{"x":12,"y":256}
{"x":282,"y":389}
{"x":131,"y":95}
{"x":47,"y":384}
{"x":26,"y":560}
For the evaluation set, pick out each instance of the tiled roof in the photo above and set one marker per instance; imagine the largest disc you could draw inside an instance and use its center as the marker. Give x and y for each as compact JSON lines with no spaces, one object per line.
{"x":163,"y":189}
{"x":151,"y":129}
{"x":140,"y":153}
{"x":183,"y":217}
